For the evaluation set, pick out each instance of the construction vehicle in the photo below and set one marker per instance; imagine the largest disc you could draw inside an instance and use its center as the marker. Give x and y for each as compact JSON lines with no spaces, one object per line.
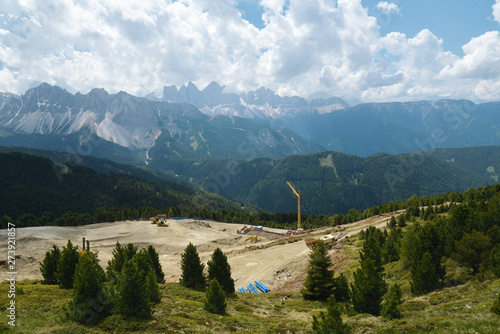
{"x":298,"y":205}
{"x":87,"y":249}
{"x":254,"y":238}
{"x":328,"y":239}
{"x":162,"y":222}
{"x":154,"y":220}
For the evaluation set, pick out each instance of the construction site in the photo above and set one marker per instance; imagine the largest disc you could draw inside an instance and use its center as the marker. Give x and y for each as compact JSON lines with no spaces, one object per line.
{"x":272,"y":257}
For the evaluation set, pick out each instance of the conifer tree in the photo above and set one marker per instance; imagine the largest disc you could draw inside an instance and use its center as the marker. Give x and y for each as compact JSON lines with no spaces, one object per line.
{"x":192,"y":269}
{"x":372,"y":249}
{"x":146,"y":271}
{"x":90,"y":300}
{"x":66,"y":266}
{"x":341,"y":288}
{"x":424,"y":276}
{"x":392,"y":222}
{"x":216,"y":299}
{"x":48,"y":267}
{"x":331,"y":322}
{"x":152,"y":286}
{"x":472,"y":250}
{"x":319,"y":281}
{"x":391,"y":248}
{"x":219,"y":268}
{"x":368,"y":288}
{"x":120,"y":255}
{"x":132,"y":294}
{"x":393,"y":299}
{"x":155,"y":259}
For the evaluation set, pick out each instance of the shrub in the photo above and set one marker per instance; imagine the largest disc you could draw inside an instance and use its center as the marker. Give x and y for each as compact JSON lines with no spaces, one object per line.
{"x":66,"y":266}
{"x":48,"y":267}
{"x":331,"y":322}
{"x":216,"y":299}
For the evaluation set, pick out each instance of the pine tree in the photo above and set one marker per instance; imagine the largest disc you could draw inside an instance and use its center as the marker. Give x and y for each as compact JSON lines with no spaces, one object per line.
{"x":146,"y":271}
{"x":331,"y":322}
{"x":392,"y":222}
{"x":192,"y":269}
{"x":368,"y":288}
{"x":372,"y":249}
{"x":120,"y":255}
{"x":132,"y":296}
{"x":216,"y":299}
{"x":393,"y":299}
{"x":424,"y":276}
{"x":90,"y":300}
{"x":401,"y":220}
{"x":341,"y":288}
{"x":66,"y":266}
{"x":391,"y":248}
{"x":219,"y":268}
{"x":48,"y":267}
{"x":155,"y":259}
{"x":319,"y":281}
{"x":472,"y":250}
{"x":152,"y":286}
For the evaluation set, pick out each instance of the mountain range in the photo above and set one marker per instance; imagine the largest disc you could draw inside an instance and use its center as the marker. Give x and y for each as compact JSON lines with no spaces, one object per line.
{"x":260,"y":104}
{"x":342,"y":157}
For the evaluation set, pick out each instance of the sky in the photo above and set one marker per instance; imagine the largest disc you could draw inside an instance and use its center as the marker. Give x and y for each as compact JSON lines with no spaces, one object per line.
{"x":374,"y":51}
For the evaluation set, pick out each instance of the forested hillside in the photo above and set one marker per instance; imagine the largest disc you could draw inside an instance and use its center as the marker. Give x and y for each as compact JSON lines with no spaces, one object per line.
{"x":34,"y":185}
{"x":332,"y":182}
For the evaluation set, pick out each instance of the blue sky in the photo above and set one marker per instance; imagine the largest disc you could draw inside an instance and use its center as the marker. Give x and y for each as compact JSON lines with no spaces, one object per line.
{"x":371,"y":50}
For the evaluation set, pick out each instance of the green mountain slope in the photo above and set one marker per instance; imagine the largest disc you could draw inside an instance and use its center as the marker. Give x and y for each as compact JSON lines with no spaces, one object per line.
{"x":333,"y":182}
{"x":35,"y":185}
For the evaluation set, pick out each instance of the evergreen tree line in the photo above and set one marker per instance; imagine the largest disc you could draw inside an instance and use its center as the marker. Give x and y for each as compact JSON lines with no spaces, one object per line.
{"x":423,"y":239}
{"x":272,"y":220}
{"x":129,"y":286}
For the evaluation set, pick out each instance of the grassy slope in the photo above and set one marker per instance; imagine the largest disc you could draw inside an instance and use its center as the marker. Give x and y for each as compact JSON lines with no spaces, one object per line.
{"x":461,"y":307}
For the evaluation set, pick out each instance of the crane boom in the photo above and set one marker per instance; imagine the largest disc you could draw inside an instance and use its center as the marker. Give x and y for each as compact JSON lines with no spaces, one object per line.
{"x":298,"y":205}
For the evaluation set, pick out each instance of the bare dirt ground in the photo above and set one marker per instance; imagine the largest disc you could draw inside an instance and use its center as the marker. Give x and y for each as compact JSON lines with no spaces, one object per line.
{"x":275,"y":266}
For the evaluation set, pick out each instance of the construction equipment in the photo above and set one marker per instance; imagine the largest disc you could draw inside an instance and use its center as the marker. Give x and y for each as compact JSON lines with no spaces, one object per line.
{"x":154,"y":220}
{"x":86,"y":250}
{"x":162,"y":222}
{"x":254,"y":238}
{"x":329,"y":241}
{"x":298,"y":205}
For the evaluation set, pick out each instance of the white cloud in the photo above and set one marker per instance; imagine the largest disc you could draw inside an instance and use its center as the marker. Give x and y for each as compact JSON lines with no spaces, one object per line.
{"x":387,"y":7}
{"x":305,"y":46}
{"x":496,"y":11}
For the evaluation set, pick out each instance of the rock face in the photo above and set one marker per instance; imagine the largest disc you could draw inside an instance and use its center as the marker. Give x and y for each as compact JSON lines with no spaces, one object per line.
{"x":161,"y":130}
{"x":121,"y":118}
{"x":260,"y":104}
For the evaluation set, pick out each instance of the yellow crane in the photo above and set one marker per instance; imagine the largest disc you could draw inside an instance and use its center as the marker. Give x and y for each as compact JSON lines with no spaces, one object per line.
{"x":298,"y":197}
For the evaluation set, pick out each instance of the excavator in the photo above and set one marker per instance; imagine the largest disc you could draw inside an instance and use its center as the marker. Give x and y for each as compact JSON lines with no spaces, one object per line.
{"x":254,"y":238}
